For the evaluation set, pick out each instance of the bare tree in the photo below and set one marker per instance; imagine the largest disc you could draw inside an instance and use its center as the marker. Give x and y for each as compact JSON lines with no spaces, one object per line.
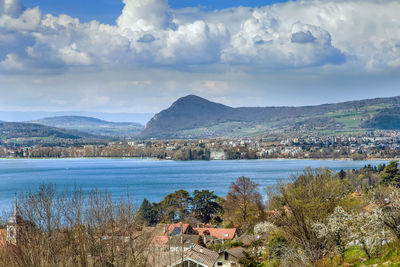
{"x":69,"y":229}
{"x":243,"y":205}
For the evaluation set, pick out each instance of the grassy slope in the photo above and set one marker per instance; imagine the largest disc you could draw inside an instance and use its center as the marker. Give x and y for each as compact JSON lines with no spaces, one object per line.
{"x":356,"y":257}
{"x":340,"y":122}
{"x":195,"y":117}
{"x":390,"y":256}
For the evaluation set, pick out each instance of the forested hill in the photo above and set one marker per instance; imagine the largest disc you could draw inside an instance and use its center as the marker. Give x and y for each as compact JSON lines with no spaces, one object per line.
{"x":387,"y":119}
{"x":25,"y":132}
{"x":195,"y":117}
{"x":92,"y":125}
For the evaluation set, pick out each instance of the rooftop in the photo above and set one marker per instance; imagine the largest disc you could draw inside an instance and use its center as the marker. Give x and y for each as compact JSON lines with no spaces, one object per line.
{"x":220,"y":233}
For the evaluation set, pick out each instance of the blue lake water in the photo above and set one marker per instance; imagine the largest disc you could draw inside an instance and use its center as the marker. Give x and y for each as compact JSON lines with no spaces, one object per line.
{"x":149,"y":178}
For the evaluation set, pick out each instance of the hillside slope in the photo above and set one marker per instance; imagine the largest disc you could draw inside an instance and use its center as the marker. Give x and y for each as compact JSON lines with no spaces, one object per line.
{"x":92,"y":125}
{"x":387,"y":119}
{"x":196,"y":117}
{"x":18,"y":132}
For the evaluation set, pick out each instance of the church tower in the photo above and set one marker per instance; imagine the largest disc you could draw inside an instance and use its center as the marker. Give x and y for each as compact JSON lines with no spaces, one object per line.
{"x":13,"y":224}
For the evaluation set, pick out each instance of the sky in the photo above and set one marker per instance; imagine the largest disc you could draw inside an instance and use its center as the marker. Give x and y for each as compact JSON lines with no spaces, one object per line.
{"x":140,"y":55}
{"x":107,"y":11}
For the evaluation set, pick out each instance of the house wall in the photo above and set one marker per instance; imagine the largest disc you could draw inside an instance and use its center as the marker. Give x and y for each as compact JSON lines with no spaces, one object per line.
{"x":226,"y":260}
{"x":218,"y":155}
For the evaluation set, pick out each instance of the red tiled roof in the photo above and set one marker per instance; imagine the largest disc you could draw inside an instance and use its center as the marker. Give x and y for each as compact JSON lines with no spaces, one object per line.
{"x":220,"y":233}
{"x":160,"y":240}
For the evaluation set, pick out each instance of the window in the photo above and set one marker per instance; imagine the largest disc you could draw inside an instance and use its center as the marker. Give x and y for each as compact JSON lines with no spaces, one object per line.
{"x":219,"y":264}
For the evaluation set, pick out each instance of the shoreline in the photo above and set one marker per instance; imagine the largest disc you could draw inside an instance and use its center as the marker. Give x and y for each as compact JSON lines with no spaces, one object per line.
{"x":157,"y":159}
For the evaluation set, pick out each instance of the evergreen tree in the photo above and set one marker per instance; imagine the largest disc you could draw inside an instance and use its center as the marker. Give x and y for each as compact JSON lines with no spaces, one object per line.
{"x":147,"y":213}
{"x":342,"y":174}
{"x":204,"y":205}
{"x":175,"y":206}
{"x":391,"y":175}
{"x":381,"y":167}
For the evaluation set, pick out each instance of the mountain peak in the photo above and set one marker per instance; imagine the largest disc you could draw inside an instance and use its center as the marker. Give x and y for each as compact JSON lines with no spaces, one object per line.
{"x":191,"y":99}
{"x":187,"y":112}
{"x":193,"y":116}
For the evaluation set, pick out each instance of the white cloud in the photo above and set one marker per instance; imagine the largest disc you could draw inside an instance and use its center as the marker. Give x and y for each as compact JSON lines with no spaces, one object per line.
{"x":12,"y":62}
{"x":301,"y":34}
{"x":11,"y":8}
{"x":145,"y":15}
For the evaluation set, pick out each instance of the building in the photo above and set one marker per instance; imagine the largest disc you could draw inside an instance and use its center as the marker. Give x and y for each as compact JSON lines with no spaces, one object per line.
{"x":180,"y":228}
{"x":230,"y":257}
{"x":197,"y":256}
{"x":218,"y":154}
{"x":14,"y":225}
{"x":218,"y":233}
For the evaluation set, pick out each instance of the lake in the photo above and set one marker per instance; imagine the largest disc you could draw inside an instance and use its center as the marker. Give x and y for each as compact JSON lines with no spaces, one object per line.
{"x":149,"y":178}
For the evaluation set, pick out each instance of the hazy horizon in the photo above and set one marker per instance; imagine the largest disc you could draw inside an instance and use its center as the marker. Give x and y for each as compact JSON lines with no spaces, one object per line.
{"x":135,"y":56}
{"x":142,"y":118}
{"x":20,"y":116}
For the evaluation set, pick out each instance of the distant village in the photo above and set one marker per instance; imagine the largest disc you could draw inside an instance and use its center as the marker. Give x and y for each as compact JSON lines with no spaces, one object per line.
{"x":384,"y":144}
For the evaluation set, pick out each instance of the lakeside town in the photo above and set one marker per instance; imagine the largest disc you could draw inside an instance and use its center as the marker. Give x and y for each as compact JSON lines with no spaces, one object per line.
{"x":373,"y":145}
{"x":200,"y":133}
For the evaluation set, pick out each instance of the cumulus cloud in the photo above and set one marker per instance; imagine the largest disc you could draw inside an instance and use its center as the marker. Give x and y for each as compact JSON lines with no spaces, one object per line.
{"x":301,"y":34}
{"x":145,"y":15}
{"x":11,"y":8}
{"x":302,"y":37}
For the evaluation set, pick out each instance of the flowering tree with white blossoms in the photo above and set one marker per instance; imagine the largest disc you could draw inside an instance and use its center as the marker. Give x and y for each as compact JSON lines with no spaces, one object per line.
{"x":368,"y":230}
{"x":363,"y":228}
{"x":387,"y":200}
{"x":336,"y":229}
{"x":264,"y":228}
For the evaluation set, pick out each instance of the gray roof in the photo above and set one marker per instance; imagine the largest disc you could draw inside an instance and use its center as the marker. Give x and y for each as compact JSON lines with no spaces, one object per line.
{"x":200,"y":255}
{"x":183,"y":240}
{"x":236,"y":252}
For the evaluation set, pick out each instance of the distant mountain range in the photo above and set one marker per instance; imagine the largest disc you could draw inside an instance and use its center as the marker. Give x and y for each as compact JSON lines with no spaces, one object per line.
{"x":23,"y":116}
{"x":93,"y":126}
{"x":66,"y":129}
{"x":19,"y":132}
{"x":196,"y":117}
